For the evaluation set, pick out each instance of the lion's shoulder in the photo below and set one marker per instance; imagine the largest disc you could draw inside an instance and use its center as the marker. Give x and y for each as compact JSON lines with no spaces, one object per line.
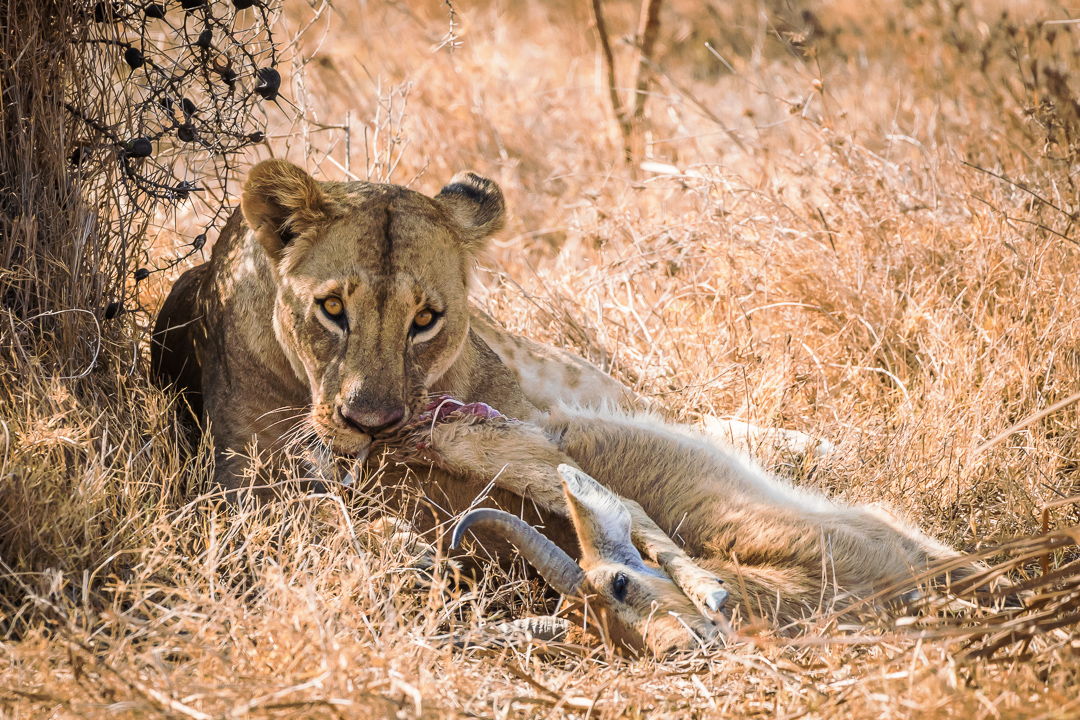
{"x":174,"y":357}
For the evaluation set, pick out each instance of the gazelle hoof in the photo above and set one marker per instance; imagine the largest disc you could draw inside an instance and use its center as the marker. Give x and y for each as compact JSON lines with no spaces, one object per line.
{"x":717,"y":599}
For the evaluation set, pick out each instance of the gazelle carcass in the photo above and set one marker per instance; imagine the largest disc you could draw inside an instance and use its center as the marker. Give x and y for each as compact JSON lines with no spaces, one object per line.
{"x":783,"y":553}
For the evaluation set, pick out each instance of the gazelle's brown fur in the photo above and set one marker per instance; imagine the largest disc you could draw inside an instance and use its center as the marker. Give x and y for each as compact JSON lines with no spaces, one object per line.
{"x":783,"y":553}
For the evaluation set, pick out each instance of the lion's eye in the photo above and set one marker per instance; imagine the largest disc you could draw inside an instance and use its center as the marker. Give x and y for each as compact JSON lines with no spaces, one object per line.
{"x":333,"y":307}
{"x":423,"y":320}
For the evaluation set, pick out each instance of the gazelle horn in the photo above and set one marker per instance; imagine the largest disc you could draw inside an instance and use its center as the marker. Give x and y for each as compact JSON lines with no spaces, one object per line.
{"x":554,"y":565}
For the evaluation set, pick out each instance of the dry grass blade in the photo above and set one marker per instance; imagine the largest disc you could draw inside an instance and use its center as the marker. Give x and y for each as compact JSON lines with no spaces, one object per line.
{"x":992,"y":611}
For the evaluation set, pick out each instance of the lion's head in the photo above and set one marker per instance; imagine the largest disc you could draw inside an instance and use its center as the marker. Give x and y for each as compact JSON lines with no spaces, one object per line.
{"x":372,"y":283}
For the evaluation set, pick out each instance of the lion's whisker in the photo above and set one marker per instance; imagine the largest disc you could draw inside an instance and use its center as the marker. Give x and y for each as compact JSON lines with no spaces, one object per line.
{"x":297,"y":409}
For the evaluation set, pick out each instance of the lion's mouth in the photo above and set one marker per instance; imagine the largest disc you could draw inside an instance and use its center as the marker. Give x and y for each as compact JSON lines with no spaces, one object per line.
{"x":348,"y":462}
{"x":355,"y":446}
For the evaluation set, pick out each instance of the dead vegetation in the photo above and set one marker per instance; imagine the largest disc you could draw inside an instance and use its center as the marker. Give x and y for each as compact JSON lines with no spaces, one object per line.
{"x":854,"y":221}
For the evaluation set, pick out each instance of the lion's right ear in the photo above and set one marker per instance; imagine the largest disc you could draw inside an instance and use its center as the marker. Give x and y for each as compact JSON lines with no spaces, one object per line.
{"x":476,"y":204}
{"x":280,"y":202}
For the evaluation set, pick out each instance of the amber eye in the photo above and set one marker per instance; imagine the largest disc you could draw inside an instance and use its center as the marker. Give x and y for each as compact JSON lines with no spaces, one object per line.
{"x":333,"y":307}
{"x":423,"y":320}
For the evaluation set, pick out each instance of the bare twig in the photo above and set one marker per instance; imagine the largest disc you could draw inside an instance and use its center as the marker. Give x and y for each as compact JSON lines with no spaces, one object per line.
{"x":685,"y":92}
{"x":609,"y":64}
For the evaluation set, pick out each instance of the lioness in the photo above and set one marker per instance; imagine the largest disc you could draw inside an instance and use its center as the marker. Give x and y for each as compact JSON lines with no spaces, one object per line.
{"x":327,"y":316}
{"x":333,"y":316}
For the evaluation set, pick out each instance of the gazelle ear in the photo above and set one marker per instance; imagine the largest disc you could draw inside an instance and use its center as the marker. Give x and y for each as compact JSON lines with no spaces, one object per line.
{"x":600,"y":519}
{"x":280,"y":202}
{"x":476,"y":205}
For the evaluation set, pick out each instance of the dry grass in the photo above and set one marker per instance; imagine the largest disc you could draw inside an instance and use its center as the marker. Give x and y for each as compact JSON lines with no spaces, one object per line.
{"x":890,"y":262}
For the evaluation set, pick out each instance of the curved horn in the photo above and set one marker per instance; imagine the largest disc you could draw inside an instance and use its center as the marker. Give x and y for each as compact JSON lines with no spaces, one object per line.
{"x":556,"y":567}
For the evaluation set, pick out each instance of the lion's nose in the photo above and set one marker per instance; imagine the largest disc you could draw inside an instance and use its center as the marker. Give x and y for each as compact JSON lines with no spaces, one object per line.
{"x":371,"y":422}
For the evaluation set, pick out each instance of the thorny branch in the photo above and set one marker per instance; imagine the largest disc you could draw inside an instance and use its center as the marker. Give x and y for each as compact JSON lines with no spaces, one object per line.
{"x":157,"y":121}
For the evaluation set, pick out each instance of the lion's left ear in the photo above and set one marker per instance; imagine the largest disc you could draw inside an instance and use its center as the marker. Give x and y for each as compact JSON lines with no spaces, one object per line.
{"x":476,"y":204}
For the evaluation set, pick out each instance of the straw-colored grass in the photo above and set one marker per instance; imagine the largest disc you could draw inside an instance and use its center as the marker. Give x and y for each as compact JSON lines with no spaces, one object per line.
{"x":889,"y":260}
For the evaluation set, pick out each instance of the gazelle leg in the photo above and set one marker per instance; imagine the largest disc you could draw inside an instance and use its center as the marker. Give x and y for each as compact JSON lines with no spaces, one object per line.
{"x":705,"y":589}
{"x":750,"y":439}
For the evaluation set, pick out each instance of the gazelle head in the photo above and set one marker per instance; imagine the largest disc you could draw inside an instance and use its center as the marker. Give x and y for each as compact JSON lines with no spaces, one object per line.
{"x":633,"y":604}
